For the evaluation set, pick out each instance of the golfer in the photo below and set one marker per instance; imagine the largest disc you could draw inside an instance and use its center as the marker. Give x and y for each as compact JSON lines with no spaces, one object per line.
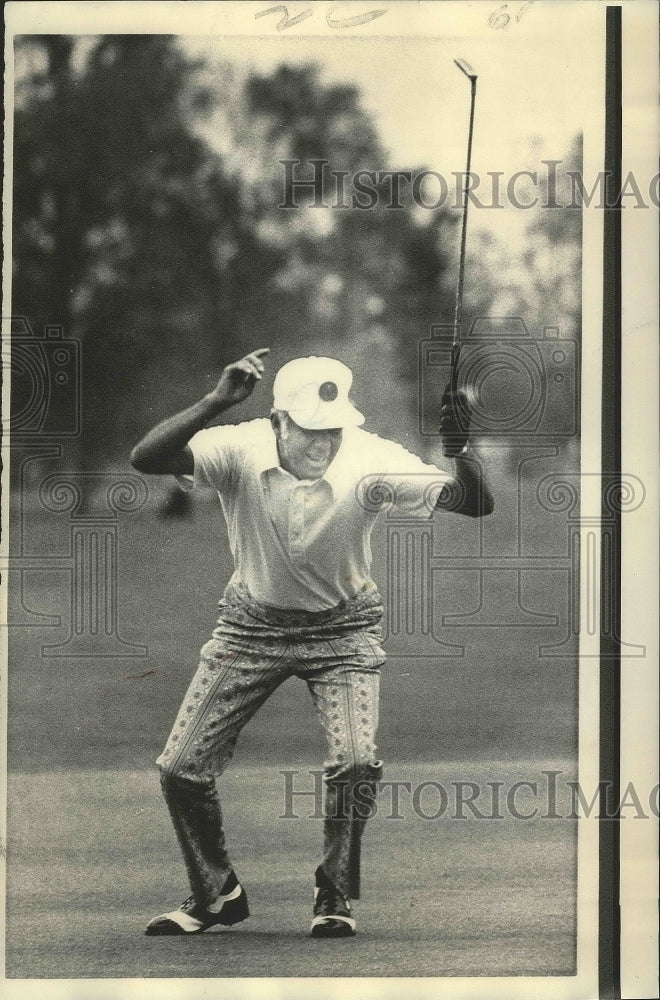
{"x":300,"y":493}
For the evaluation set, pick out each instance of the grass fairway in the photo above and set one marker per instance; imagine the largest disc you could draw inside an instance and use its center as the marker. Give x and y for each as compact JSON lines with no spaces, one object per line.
{"x":92,"y":857}
{"x":499,"y":699}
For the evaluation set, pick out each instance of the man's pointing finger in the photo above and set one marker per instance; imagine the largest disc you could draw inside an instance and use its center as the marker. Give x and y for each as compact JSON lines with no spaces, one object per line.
{"x":255,"y":360}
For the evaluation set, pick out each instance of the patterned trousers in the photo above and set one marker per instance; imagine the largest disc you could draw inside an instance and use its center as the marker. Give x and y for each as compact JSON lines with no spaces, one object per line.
{"x":254,"y":649}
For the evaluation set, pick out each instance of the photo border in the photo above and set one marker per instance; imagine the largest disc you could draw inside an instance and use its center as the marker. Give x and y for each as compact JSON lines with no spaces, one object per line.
{"x":600,"y":939}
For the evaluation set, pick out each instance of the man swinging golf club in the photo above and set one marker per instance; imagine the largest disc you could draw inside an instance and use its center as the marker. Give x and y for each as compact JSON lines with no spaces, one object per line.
{"x":300,"y":493}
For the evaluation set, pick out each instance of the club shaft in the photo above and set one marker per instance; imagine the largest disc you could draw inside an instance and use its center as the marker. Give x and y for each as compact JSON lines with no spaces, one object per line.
{"x":458,"y":305}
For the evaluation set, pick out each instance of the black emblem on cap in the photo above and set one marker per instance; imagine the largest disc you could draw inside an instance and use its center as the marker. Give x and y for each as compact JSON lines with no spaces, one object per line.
{"x":328,"y":391}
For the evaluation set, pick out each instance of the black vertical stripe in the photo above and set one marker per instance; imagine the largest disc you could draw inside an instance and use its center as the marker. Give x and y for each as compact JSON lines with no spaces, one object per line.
{"x":609,"y":938}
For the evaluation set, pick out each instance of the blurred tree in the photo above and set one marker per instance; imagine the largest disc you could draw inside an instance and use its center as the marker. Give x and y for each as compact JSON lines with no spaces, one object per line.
{"x":362,"y":282}
{"x":164,"y":246}
{"x":536,"y":276}
{"x":554,"y":251}
{"x":118,"y":206}
{"x":542,"y":274}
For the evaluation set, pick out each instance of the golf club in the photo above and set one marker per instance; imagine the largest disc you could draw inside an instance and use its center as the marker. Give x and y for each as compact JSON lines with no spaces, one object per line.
{"x":458,"y":306}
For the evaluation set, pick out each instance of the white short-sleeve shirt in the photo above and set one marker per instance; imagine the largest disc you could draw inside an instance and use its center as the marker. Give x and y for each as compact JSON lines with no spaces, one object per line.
{"x":302,"y":543}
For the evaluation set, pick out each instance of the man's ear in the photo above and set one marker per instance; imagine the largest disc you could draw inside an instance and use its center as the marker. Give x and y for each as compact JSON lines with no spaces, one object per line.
{"x":277,"y":422}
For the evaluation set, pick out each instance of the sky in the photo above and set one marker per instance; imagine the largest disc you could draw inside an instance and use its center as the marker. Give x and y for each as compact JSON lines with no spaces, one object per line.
{"x":421,"y":101}
{"x":539,"y":62}
{"x":540,"y":81}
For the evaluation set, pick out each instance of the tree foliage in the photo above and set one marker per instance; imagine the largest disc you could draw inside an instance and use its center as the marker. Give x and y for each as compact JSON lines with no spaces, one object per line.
{"x":168,"y":257}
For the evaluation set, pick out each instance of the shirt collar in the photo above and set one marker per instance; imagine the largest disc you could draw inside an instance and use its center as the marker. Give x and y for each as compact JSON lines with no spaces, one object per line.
{"x":266,"y":456}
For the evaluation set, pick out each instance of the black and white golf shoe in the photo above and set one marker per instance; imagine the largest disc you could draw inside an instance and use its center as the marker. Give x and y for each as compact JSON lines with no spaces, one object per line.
{"x":332,"y":911}
{"x":192,"y":918}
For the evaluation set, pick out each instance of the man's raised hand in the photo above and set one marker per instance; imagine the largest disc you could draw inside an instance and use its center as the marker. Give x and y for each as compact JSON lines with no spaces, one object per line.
{"x":239,"y":378}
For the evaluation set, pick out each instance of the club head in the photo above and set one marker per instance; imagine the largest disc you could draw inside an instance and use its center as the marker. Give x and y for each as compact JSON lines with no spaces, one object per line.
{"x":466,"y":68}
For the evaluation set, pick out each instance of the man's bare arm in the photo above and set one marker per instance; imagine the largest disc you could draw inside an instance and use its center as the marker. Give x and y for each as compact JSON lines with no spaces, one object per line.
{"x":164,"y":450}
{"x":468,"y":491}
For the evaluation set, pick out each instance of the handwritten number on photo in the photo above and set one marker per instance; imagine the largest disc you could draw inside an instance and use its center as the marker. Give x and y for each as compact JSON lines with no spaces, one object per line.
{"x":333,"y":22}
{"x":500,"y":18}
{"x":286,"y":22}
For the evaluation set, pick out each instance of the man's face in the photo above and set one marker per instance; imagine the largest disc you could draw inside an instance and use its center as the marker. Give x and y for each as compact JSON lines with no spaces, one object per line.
{"x":305,"y":454}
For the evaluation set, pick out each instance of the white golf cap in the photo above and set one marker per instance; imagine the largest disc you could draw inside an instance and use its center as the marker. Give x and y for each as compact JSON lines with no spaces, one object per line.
{"x":314,"y":392}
